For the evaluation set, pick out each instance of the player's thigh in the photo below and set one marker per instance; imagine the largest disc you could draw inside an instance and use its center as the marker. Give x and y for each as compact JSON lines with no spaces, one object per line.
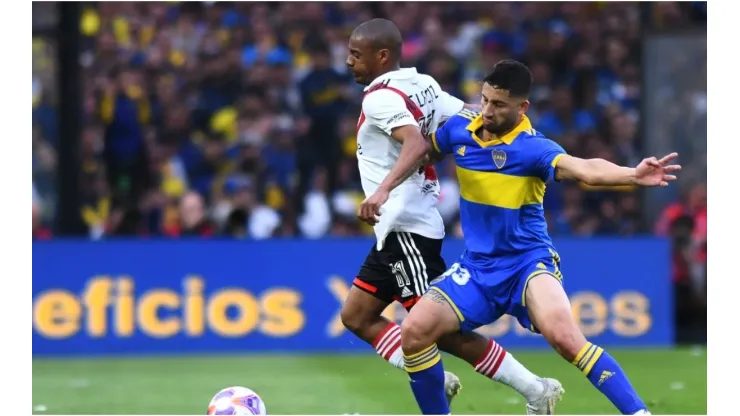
{"x":375,"y":276}
{"x":372,"y":291}
{"x":360,"y":308}
{"x":460,"y":288}
{"x":529,"y":276}
{"x":431,"y":318}
{"x":549,"y":312}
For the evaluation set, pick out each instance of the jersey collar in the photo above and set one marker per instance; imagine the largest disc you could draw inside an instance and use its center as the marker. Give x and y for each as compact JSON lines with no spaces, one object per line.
{"x":403,"y":73}
{"x":508,"y":138}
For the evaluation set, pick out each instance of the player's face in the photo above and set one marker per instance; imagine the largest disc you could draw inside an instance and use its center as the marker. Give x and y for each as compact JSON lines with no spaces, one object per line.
{"x":363,"y":61}
{"x":501,"y":112}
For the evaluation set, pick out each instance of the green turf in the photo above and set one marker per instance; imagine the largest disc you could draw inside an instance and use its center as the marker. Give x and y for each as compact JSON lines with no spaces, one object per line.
{"x":670,"y":381}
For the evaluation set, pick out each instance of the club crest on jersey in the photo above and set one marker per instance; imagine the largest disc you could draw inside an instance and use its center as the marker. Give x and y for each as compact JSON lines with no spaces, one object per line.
{"x":499,"y":158}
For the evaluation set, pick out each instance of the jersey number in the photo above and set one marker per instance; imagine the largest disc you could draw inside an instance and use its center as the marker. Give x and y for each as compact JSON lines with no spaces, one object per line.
{"x":425,"y":123}
{"x":400,"y":272}
{"x":459,"y":274}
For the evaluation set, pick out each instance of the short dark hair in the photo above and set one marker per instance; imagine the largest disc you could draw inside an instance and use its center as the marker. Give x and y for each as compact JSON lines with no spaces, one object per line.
{"x":382,"y":34}
{"x":512,"y":76}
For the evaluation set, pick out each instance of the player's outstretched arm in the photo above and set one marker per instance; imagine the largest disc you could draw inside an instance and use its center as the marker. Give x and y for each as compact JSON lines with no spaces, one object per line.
{"x":600,"y":172}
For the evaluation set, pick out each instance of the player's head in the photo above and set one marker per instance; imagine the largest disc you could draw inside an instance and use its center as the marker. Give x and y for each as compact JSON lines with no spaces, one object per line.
{"x":374,"y":49}
{"x":505,"y":96}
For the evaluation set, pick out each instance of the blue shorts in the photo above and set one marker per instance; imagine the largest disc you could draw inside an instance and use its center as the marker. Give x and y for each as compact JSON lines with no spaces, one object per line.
{"x":480,"y":295}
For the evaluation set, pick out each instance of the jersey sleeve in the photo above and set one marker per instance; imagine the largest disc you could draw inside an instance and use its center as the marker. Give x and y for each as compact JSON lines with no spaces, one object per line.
{"x":449,"y":105}
{"x":387,"y":110}
{"x":441,"y":138}
{"x":547,"y":159}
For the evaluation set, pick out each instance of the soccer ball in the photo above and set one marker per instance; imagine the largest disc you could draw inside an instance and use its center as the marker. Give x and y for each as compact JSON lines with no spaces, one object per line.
{"x":236,"y":401}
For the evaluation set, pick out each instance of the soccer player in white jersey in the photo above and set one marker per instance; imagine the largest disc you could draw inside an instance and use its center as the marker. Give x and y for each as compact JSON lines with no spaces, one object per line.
{"x":399,"y":108}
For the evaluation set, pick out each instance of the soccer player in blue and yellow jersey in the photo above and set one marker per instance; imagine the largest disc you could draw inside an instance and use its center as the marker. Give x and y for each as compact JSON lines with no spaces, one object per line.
{"x":510,"y":265}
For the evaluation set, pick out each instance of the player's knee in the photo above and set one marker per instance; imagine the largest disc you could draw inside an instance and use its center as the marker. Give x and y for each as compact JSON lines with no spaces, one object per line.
{"x":427,"y":322}
{"x":563,"y":334}
{"x":415,"y":335}
{"x":352,"y":320}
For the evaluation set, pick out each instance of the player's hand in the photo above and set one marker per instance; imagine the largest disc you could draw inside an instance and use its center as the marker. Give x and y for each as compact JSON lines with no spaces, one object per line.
{"x":370,"y":207}
{"x":654,"y":172}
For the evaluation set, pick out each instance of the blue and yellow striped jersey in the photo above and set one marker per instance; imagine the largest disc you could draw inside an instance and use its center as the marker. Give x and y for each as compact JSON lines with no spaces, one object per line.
{"x":502,"y":184}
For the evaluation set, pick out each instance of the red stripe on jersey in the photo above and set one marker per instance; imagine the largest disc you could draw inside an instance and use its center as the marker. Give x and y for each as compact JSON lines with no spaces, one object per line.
{"x":429,"y":172}
{"x":412,"y":107}
{"x":361,"y":121}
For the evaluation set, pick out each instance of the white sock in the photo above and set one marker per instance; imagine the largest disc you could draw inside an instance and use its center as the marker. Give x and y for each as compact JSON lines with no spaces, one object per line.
{"x":388,"y":345}
{"x":498,"y":364}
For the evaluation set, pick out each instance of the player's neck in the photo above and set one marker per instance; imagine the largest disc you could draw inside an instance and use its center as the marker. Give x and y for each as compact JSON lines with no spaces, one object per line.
{"x":387,"y":70}
{"x":488,"y":136}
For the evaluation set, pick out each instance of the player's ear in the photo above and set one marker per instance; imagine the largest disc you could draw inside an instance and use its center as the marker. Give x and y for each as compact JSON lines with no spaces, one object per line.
{"x":383,"y":56}
{"x":524,"y":107}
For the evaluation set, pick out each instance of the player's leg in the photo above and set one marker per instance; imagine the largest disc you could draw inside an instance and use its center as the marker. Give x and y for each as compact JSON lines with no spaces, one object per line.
{"x":377,"y":286}
{"x":372,"y":291}
{"x":430,"y":319}
{"x":490,"y":287}
{"x":491,"y":360}
{"x":414,"y":258}
{"x":449,"y":306}
{"x":549,"y":311}
{"x":361,"y":315}
{"x":486,"y":356}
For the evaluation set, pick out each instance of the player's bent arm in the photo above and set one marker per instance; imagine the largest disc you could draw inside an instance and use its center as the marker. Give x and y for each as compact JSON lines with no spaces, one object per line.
{"x":433,"y":156}
{"x":595,"y":172}
{"x":413,"y":151}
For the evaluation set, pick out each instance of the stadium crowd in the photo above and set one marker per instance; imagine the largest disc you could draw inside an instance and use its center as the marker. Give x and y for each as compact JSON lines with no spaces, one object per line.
{"x":238,"y":119}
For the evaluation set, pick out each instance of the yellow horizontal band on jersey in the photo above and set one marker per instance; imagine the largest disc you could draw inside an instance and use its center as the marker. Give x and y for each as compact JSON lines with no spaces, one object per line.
{"x":434,"y":142}
{"x":500,"y":190}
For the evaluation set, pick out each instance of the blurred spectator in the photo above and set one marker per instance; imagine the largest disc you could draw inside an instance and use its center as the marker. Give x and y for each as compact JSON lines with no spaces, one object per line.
{"x":239,"y":119}
{"x":323,"y":93}
{"x":686,"y":223}
{"x":124,"y":108}
{"x":192,"y":220}
{"x":316,"y":219}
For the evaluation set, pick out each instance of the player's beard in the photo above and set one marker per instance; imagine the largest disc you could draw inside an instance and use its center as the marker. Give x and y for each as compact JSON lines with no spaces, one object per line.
{"x":500,"y":129}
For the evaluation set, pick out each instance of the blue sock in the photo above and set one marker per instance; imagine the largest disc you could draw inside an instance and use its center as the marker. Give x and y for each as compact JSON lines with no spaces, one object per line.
{"x":606,"y":375}
{"x":428,"y":381}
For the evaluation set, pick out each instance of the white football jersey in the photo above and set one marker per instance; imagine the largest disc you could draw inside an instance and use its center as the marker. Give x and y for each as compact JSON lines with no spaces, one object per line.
{"x":395,"y":99}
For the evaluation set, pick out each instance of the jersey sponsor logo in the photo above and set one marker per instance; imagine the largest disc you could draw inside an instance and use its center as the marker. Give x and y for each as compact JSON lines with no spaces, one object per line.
{"x":499,"y":158}
{"x":429,"y":187}
{"x":398,"y":117}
